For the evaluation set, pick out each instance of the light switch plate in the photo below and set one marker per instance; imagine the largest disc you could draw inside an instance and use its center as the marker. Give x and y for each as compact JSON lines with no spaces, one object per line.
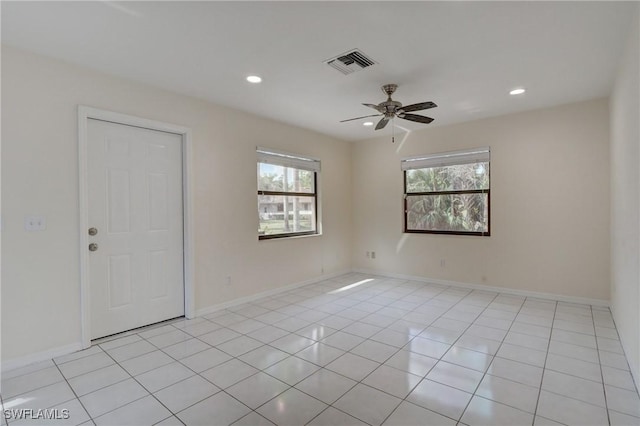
{"x":34,"y":223}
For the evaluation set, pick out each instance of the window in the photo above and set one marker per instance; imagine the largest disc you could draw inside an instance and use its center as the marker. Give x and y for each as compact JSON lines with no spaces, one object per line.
{"x":287,"y":194}
{"x":447,"y":193}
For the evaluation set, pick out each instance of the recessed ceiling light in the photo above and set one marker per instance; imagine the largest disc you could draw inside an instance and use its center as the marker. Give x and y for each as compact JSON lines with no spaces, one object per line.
{"x":368,"y":123}
{"x":254,"y":79}
{"x":517,"y":91}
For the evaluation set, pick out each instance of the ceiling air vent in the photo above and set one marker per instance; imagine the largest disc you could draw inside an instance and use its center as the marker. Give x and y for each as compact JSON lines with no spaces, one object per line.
{"x":351,"y":61}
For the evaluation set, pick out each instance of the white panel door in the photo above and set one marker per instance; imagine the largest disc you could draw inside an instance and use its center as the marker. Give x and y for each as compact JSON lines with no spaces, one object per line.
{"x":135,"y":203}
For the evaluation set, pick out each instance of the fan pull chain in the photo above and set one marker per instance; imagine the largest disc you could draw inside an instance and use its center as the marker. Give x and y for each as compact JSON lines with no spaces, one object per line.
{"x":393,"y":130}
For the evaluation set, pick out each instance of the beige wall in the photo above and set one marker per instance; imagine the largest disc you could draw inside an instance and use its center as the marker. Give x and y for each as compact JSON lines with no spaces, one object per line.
{"x":625,"y":201}
{"x":40,"y":273}
{"x":550,"y":207}
{"x":549,"y":204}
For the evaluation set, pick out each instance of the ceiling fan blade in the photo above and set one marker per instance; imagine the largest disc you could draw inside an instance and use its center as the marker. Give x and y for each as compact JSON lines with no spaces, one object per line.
{"x":358,"y":118}
{"x":376,"y":107}
{"x":382,"y":123}
{"x":418,"y":107}
{"x":416,"y":117}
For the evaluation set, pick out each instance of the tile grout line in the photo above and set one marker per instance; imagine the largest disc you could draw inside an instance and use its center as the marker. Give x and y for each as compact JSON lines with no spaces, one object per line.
{"x":447,"y":351}
{"x":73,"y":391}
{"x":195,"y":372}
{"x":624,"y":355}
{"x":492,"y":359}
{"x":583,"y":378}
{"x":397,"y":295}
{"x":64,"y":379}
{"x":293,"y":355}
{"x":604,"y":388}
{"x":453,"y":343}
{"x":349,"y":351}
{"x":233,"y":357}
{"x":142,"y":338}
{"x":140,"y":384}
{"x":353,"y":321}
{"x":221,"y":390}
{"x":451,"y":346}
{"x":160,"y":349}
{"x":290,"y":354}
{"x":587,"y":379}
{"x":238,"y":359}
{"x":544,"y":368}
{"x":399,"y":349}
{"x":5,"y":422}
{"x":495,"y":355}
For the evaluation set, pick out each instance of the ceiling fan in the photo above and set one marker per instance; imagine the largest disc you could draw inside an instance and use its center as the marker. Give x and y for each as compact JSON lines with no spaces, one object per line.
{"x":390,"y":109}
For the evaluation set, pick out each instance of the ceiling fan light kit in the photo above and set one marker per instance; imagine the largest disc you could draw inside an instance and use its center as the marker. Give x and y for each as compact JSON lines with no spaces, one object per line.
{"x":391,"y":109}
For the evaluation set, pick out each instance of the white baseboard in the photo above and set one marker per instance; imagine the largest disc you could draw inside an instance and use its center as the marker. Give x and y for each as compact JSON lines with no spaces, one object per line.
{"x":235,"y":302}
{"x":23,"y":361}
{"x":505,"y":290}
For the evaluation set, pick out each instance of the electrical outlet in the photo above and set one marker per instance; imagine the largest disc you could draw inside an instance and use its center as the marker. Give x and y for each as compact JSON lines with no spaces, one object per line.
{"x":373,"y":254}
{"x":368,"y":255}
{"x":443,"y":263}
{"x":34,"y":223}
{"x":228,"y":279}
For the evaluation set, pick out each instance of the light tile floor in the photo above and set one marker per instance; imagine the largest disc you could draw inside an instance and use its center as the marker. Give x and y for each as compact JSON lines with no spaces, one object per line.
{"x":352,"y":350}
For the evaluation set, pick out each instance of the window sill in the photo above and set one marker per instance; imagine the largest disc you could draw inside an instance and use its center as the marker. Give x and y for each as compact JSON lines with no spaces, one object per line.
{"x":292,"y":237}
{"x":471,"y":234}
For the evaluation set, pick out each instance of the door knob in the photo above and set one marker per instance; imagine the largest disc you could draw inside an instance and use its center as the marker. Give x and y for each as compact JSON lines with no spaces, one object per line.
{"x":93,"y":231}
{"x":93,"y":247}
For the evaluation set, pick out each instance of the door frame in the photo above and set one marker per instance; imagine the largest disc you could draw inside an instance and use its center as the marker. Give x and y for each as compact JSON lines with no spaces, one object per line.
{"x":84,"y":114}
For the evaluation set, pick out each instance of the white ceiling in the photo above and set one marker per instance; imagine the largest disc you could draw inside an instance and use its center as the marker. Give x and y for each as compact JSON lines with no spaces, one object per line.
{"x":464,"y":56}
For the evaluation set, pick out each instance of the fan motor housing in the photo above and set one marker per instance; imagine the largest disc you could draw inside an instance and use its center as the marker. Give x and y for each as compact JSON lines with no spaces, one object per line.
{"x":390,"y":106}
{"x":389,"y":89}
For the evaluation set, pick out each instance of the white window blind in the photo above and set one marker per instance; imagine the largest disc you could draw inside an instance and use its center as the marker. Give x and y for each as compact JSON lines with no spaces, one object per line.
{"x":476,"y":155}
{"x":270,"y":156}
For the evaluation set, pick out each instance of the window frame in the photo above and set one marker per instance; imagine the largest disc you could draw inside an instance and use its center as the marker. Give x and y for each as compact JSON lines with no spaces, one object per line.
{"x":294,"y":161}
{"x":444,"y":159}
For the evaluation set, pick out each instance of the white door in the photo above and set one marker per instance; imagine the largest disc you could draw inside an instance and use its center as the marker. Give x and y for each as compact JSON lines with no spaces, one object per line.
{"x":135,"y":204}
